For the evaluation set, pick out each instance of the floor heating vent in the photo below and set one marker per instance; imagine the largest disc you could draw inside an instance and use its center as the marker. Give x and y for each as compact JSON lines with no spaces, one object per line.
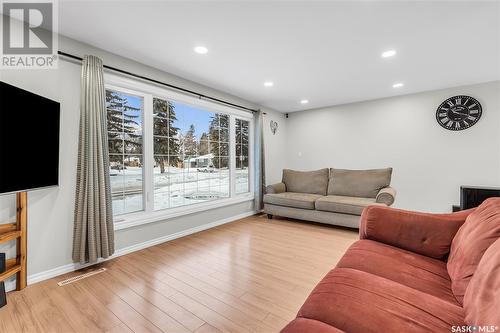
{"x":80,"y":277}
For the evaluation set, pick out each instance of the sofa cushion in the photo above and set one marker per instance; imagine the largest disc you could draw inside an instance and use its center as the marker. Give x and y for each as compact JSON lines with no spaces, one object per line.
{"x":480,"y":230}
{"x":304,"y":325}
{"x":482,"y":298}
{"x":413,"y":270}
{"x":341,"y":204}
{"x":314,"y":182}
{"x":358,"y":183}
{"x":423,"y":233}
{"x":357,"y":301}
{"x":291,"y":199}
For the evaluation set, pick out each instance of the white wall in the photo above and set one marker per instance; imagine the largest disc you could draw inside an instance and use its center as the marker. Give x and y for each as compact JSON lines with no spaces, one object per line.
{"x":50,"y":226}
{"x":275,"y":146}
{"x":430,"y":163}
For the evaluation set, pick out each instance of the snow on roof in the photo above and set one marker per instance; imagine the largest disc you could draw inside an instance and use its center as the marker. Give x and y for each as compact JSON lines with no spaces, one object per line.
{"x":202,"y":157}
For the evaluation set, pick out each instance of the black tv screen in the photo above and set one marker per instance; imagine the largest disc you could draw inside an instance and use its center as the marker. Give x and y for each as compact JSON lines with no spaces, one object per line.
{"x":29,"y":140}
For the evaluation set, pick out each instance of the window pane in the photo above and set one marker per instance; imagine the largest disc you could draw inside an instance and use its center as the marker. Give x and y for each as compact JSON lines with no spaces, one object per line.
{"x":160,"y":145}
{"x":127,"y":185}
{"x":224,"y":163}
{"x":224,"y":181}
{"x":224,"y":135}
{"x":160,"y":126}
{"x":115,"y":143}
{"x":224,"y":121}
{"x":203,"y":145}
{"x":244,"y":151}
{"x":191,"y":140}
{"x":133,"y":182}
{"x":242,"y":157}
{"x":117,"y":180}
{"x":214,"y":148}
{"x":244,"y":132}
{"x":238,"y":131}
{"x":224,"y":149}
{"x":242,"y":184}
{"x":124,"y":120}
{"x":161,"y":186}
{"x":115,"y":120}
{"x":132,"y":144}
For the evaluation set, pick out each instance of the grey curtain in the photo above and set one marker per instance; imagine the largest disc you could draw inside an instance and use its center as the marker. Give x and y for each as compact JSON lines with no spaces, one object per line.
{"x":93,"y":233}
{"x":260,"y":162}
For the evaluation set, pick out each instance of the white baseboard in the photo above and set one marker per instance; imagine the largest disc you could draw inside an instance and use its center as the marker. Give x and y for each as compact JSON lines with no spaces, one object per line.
{"x":129,"y":249}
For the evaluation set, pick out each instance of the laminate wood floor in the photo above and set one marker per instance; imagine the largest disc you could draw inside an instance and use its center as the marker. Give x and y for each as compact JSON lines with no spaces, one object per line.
{"x":249,"y":275}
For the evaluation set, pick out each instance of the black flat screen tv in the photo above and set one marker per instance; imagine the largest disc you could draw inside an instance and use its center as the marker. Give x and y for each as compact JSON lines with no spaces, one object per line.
{"x":473,"y":196}
{"x":29,"y":140}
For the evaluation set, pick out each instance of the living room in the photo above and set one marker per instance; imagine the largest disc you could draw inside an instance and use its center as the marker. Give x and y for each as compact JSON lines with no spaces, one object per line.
{"x":265,"y":166}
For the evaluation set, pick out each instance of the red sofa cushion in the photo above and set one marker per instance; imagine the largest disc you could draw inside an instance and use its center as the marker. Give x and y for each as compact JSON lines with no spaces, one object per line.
{"x":482,"y":298}
{"x":479,"y":231}
{"x":357,"y":301}
{"x":304,"y":325}
{"x":413,"y":270}
{"x":423,"y":233}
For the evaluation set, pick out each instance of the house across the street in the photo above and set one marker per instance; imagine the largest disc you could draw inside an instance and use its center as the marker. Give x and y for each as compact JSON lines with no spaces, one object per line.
{"x":202,"y":161}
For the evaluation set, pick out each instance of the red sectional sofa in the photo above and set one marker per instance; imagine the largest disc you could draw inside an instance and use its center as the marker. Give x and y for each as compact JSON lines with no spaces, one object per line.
{"x":412,"y":272}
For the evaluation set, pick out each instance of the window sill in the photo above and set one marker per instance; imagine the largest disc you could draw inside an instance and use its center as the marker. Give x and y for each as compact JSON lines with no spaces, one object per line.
{"x":136,"y":219}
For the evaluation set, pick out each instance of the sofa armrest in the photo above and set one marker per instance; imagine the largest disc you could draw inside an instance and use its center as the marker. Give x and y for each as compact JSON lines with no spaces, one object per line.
{"x":423,"y":233}
{"x":386,"y":196}
{"x":276,"y":188}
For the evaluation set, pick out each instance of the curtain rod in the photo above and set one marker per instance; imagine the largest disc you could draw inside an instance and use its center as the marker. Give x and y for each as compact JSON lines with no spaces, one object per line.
{"x":201,"y":96}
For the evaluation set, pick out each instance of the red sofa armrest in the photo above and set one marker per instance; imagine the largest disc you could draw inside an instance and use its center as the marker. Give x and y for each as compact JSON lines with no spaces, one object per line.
{"x":423,"y":233}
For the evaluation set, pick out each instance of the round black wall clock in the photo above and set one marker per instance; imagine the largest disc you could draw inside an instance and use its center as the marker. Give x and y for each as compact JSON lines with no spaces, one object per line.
{"x":458,"y":113}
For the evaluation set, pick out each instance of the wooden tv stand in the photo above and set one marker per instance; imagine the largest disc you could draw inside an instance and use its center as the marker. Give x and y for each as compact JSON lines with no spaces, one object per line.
{"x":17,"y":230}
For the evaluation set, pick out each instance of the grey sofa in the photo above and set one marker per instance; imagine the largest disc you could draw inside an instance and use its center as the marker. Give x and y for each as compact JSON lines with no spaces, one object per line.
{"x":333,"y":196}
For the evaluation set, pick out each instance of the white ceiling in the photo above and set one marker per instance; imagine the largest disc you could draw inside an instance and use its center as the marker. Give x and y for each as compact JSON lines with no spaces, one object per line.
{"x":326,"y":51}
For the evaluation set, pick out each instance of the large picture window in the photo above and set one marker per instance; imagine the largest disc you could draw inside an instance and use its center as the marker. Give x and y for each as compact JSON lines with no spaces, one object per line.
{"x":170,"y":152}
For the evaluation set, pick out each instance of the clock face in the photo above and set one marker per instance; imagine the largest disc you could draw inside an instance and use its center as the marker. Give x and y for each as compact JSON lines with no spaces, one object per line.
{"x":458,"y":113}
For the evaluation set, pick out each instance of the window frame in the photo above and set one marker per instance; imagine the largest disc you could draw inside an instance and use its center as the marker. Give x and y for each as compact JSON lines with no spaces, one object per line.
{"x":149,"y":91}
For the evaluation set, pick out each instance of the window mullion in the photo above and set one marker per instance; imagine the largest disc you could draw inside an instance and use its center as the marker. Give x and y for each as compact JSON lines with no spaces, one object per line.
{"x":251,"y":155}
{"x":232,"y":155}
{"x":148,"y":158}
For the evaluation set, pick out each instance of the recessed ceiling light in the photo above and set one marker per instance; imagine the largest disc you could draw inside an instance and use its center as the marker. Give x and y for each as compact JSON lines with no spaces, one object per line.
{"x":201,"y":50}
{"x":304,"y":101}
{"x":268,"y":84}
{"x":398,"y":85}
{"x":388,"y":53}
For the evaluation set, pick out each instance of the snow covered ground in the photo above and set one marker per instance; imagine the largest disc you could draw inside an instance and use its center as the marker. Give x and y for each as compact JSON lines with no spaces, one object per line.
{"x":176,"y":187}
